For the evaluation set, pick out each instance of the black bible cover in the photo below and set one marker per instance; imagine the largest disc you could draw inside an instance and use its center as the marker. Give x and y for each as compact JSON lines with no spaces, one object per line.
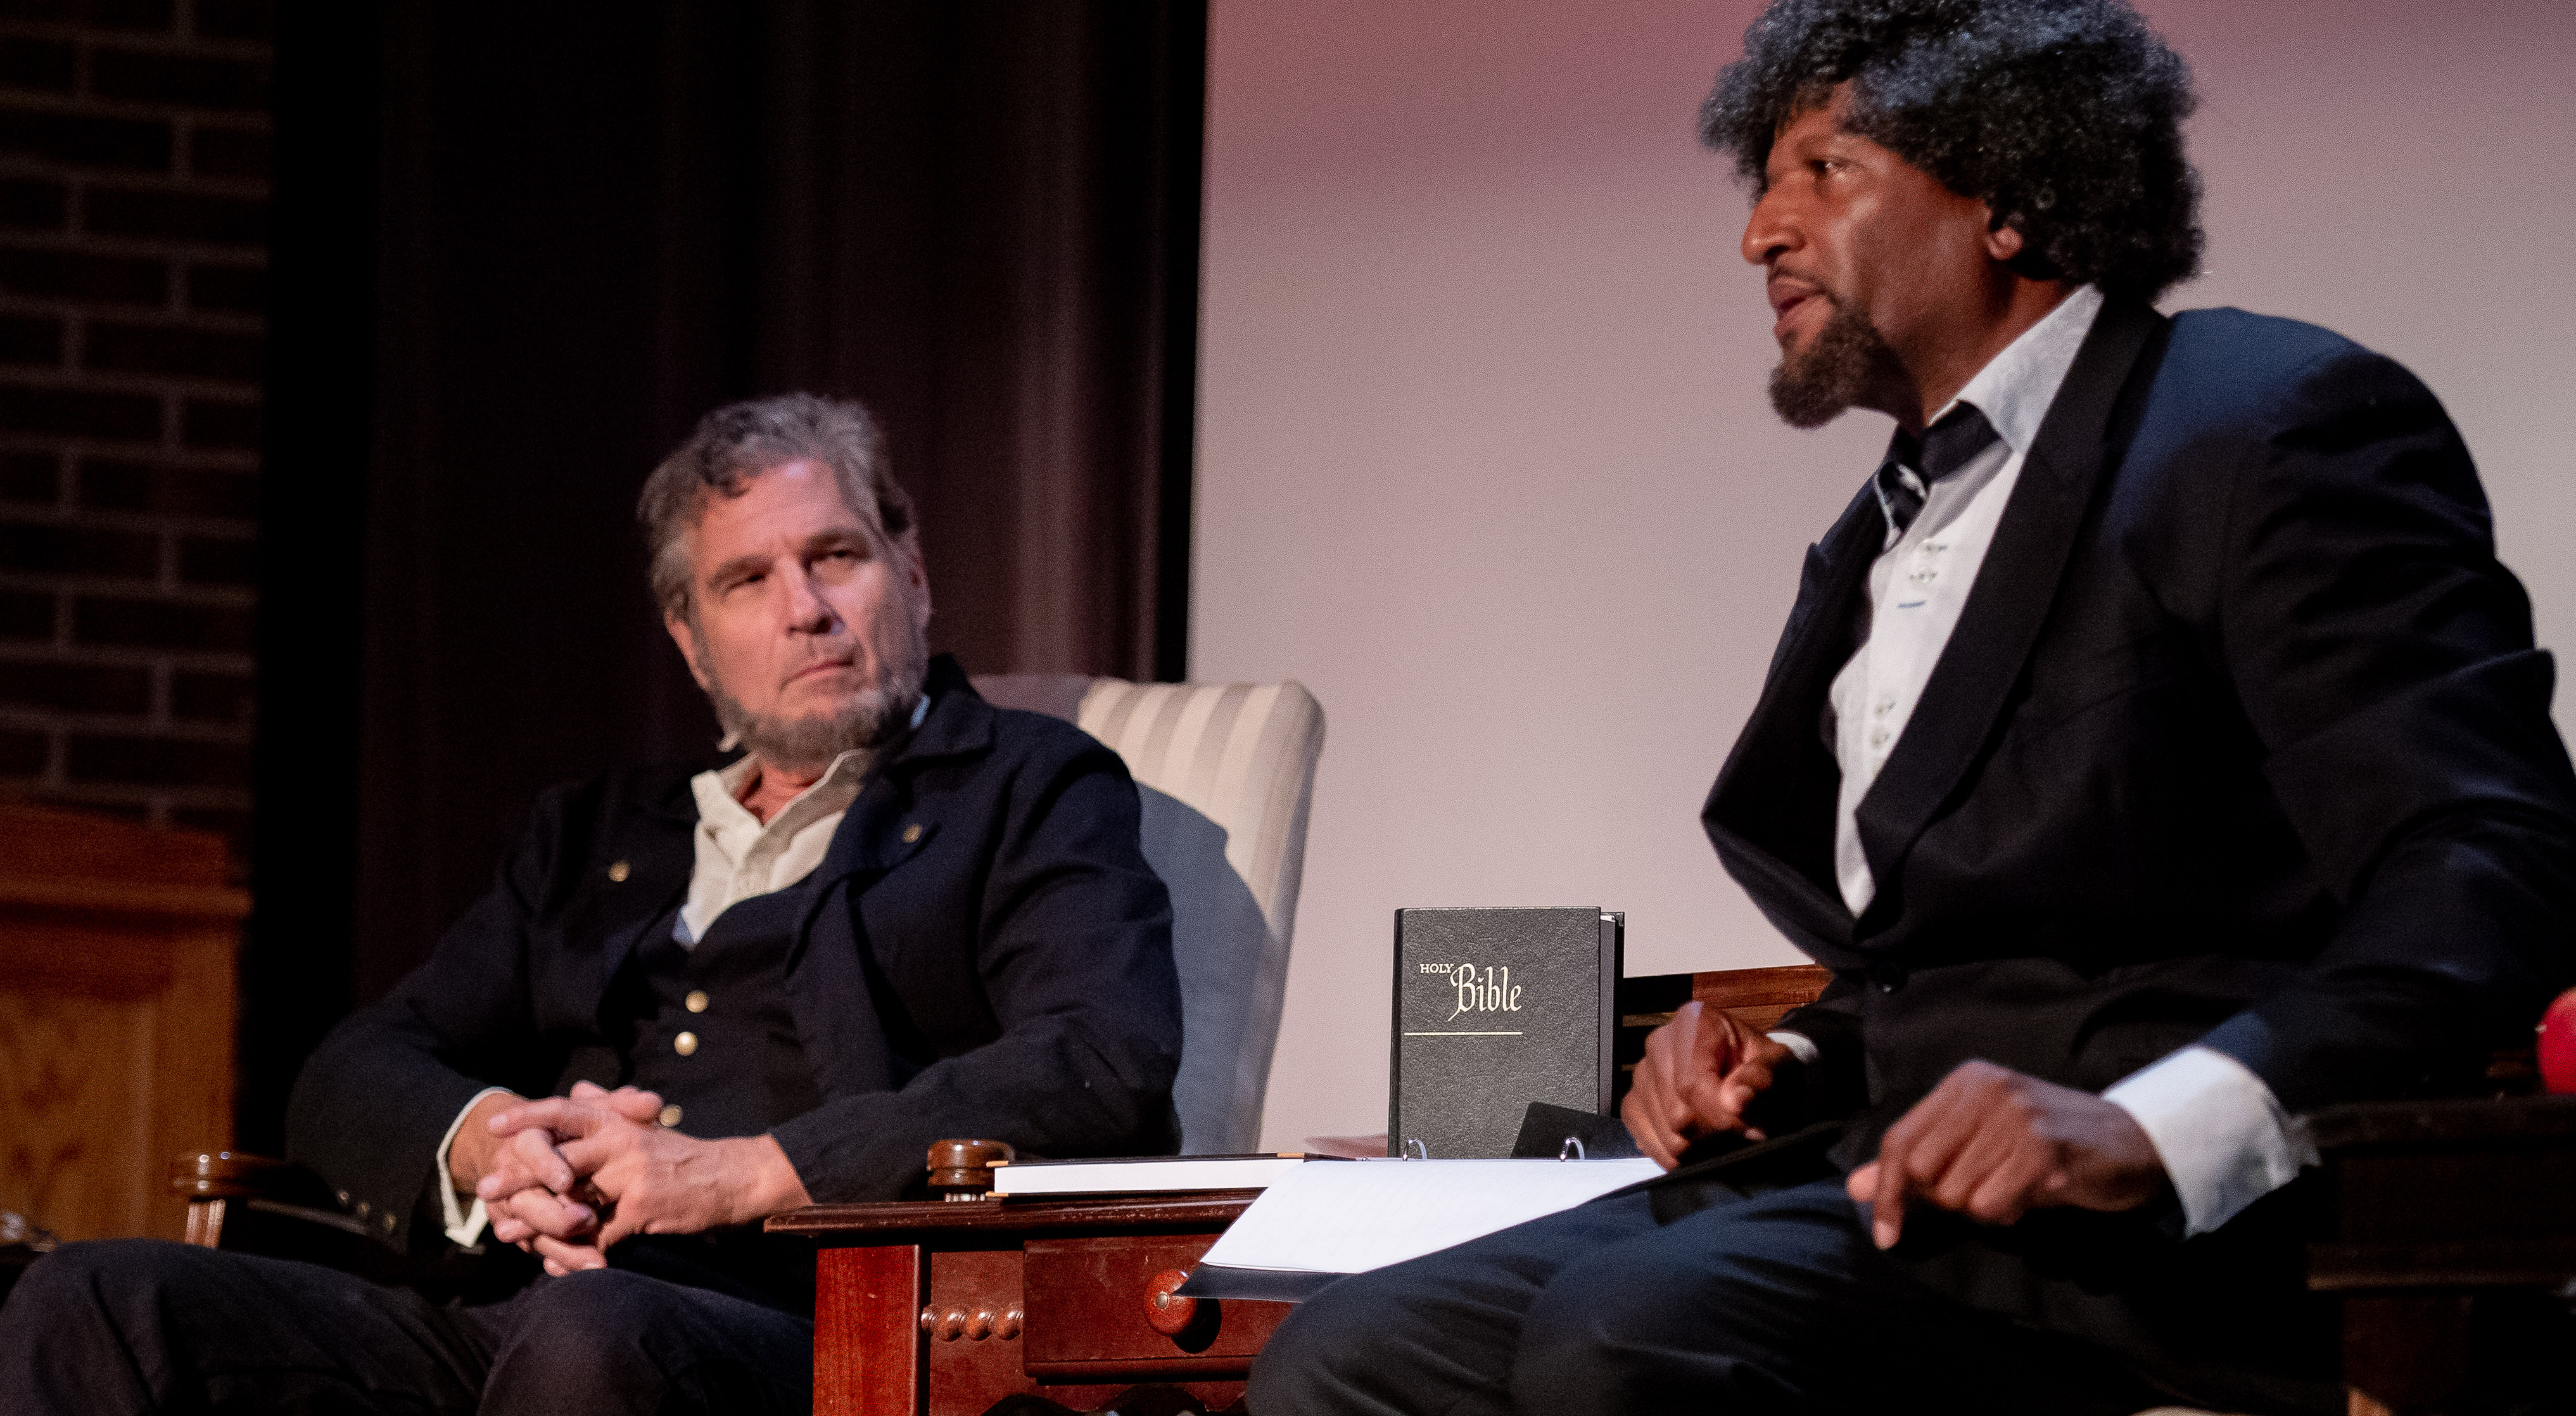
{"x":1495,"y":1009}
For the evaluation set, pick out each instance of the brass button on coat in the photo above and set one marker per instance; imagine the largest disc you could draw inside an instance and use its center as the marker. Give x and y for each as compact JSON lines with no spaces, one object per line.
{"x":670,"y":1116}
{"x":617,"y":873}
{"x":696,"y":1002}
{"x":685,"y":1044}
{"x":911,"y":834}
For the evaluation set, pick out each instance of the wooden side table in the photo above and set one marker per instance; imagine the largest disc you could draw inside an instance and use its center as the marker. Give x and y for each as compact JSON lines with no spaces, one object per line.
{"x":2435,"y":1201}
{"x":945,"y":1307}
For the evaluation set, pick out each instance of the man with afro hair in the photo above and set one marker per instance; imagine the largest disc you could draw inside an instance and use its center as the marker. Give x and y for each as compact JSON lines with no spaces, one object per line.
{"x":2156,"y":752}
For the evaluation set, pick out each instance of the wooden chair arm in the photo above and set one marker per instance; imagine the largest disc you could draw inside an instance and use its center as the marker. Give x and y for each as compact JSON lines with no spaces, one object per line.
{"x":282,"y":1210}
{"x":228,"y":1175}
{"x":211,"y":1180}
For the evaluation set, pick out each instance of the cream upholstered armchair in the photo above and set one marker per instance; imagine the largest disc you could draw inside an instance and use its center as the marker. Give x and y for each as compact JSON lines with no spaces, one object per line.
{"x":1225,"y":773}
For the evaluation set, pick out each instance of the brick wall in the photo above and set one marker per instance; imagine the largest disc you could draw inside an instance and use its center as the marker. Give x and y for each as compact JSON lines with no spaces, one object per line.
{"x":134,"y":140}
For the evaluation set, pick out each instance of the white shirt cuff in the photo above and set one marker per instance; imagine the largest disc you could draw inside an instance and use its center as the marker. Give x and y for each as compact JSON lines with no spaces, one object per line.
{"x":1800,"y":1045}
{"x":2217,"y":1128}
{"x":464,"y":1225}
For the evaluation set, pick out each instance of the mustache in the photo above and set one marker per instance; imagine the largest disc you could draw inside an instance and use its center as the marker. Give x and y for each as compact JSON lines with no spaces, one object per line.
{"x":843,"y":652}
{"x":1807,"y":278}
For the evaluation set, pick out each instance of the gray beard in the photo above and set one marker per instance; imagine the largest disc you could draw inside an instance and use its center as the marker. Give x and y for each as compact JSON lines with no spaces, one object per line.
{"x":1812,"y":389}
{"x":868,"y":720}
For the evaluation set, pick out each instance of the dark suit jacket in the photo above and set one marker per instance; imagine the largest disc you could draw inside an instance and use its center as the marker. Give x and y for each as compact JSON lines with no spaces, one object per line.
{"x":989,"y":955}
{"x":2241,"y":739}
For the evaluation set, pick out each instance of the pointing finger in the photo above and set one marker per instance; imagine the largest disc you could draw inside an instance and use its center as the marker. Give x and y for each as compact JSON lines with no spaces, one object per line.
{"x":1887,"y":1204}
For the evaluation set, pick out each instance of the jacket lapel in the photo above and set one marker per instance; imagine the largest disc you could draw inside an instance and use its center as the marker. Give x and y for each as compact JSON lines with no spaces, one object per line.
{"x":1756,"y":815}
{"x":2015,"y":588}
{"x":660,"y":853}
{"x":880,"y":830}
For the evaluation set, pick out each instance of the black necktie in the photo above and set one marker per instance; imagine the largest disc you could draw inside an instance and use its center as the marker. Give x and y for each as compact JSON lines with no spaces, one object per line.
{"x":1911,"y":467}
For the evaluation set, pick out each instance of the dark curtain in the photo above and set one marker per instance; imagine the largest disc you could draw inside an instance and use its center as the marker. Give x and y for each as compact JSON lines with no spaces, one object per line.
{"x":568,"y":230}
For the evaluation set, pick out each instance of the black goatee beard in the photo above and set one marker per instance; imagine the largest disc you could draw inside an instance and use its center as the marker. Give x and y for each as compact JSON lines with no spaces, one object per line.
{"x":869,"y":719}
{"x":1811,"y":389}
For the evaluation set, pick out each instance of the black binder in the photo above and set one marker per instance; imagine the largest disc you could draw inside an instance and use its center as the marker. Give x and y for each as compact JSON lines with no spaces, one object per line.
{"x":1495,"y":1009}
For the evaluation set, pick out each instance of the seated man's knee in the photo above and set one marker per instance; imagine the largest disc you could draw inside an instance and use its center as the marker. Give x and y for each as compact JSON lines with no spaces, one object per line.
{"x":596,"y":1323}
{"x":103,"y":1275}
{"x":1350,"y":1337}
{"x":110,"y":1325}
{"x":1716,"y":1314}
{"x":612,"y":1341}
{"x":1581,"y":1325}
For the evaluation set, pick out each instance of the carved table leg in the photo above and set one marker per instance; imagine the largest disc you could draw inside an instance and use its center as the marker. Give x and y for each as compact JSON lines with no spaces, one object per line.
{"x":867,"y":1331}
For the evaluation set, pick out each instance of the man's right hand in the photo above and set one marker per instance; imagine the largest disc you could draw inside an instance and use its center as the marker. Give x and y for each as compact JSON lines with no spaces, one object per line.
{"x":519,"y":1158}
{"x":528,"y":1188}
{"x":1700,"y":1072}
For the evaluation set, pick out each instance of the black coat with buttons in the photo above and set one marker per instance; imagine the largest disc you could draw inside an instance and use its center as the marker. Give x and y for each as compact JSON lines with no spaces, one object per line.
{"x":988,"y":955}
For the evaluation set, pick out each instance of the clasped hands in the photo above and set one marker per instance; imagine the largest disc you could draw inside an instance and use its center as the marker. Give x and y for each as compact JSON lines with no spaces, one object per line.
{"x":1988,"y":1142}
{"x":566,"y":1178}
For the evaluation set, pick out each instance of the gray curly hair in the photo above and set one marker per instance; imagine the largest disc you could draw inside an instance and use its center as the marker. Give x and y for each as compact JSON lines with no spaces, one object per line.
{"x":738,"y":442}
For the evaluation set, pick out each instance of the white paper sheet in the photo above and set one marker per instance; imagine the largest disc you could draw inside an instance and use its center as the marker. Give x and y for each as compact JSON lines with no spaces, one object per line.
{"x":1353,"y":1218}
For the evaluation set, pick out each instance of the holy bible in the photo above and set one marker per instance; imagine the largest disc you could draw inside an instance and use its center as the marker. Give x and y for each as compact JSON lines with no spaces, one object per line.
{"x":1495,"y":1009}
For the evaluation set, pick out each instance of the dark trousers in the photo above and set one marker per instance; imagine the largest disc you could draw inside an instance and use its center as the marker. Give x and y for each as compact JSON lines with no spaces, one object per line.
{"x":143,"y":1325}
{"x":1778,"y":1303}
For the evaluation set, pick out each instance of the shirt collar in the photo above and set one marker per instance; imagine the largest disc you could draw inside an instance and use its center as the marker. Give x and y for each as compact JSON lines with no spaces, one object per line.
{"x":724,"y":786}
{"x":719,"y":792}
{"x":2015,"y":387}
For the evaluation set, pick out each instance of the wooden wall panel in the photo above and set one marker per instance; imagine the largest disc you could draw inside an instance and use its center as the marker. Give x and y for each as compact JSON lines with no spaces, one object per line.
{"x":80,"y":1093}
{"x":117,"y":947}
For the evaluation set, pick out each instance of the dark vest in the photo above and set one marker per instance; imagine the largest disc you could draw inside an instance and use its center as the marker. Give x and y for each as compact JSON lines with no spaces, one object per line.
{"x":710,"y":1030}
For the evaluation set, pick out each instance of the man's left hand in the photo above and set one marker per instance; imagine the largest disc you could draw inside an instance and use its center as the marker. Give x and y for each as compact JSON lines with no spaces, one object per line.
{"x":657,"y":1181}
{"x":1993,"y":1144}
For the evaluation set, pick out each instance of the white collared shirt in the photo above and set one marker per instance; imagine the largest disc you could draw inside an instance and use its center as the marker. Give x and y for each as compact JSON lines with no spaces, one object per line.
{"x":740,"y":856}
{"x":1921,"y":579}
{"x":2218,"y":1129}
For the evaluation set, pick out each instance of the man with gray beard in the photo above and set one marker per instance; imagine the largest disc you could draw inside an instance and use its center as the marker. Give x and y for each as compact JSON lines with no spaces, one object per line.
{"x":693,"y":999}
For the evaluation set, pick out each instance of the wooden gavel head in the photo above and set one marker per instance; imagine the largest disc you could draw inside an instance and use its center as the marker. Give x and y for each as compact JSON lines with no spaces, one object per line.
{"x":963,"y":1170}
